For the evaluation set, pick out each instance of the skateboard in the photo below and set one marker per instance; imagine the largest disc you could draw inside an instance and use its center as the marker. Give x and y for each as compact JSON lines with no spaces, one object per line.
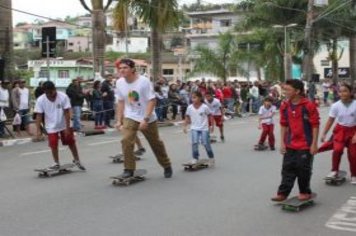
{"x":295,"y":205}
{"x":201,"y":164}
{"x":47,"y":172}
{"x":258,"y":147}
{"x":338,"y":180}
{"x":119,"y":158}
{"x":137,"y":177}
{"x":213,"y":139}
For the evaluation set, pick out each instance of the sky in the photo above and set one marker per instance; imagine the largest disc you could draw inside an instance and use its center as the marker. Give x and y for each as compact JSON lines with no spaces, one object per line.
{"x":63,"y":8}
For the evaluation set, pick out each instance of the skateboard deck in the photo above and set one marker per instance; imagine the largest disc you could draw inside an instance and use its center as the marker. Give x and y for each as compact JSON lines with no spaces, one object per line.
{"x":139,"y":175}
{"x":119,"y":158}
{"x":47,"y":172}
{"x":201,"y":164}
{"x":294,"y":204}
{"x":338,"y":180}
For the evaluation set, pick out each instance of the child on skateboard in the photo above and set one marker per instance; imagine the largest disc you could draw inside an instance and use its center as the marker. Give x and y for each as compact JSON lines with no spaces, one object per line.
{"x":266,"y":113}
{"x":55,"y":107}
{"x":344,"y":134}
{"x":198,"y":116}
{"x":299,"y":134}
{"x":217,"y":112}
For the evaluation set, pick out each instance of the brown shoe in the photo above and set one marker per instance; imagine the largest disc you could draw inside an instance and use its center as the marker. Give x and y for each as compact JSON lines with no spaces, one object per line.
{"x":304,"y":196}
{"x":279,"y":198}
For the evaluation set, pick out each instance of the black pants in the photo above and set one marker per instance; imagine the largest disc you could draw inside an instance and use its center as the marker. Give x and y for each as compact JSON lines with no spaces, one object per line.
{"x":296,"y":164}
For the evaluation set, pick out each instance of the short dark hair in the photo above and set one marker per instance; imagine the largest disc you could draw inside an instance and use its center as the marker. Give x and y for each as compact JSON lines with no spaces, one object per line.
{"x":48,"y":86}
{"x":199,"y":95}
{"x":268,"y":99}
{"x":128,"y":62}
{"x":349,"y":87}
{"x":296,"y":84}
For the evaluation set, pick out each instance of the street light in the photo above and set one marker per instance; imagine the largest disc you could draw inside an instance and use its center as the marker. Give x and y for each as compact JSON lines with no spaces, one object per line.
{"x":285,"y":62}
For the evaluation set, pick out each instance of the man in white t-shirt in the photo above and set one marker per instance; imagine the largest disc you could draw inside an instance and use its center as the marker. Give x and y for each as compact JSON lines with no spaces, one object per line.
{"x":55,"y":107}
{"x":24,"y":106}
{"x":135,"y":111}
{"x":266,"y":113}
{"x":217,"y":112}
{"x":326,"y":88}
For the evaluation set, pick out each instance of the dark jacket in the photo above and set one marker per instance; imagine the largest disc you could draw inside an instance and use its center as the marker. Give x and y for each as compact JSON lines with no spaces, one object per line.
{"x":106,"y":87}
{"x":75,"y":94}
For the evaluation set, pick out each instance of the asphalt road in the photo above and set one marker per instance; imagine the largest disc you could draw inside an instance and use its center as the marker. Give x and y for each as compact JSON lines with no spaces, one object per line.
{"x":230,"y":199}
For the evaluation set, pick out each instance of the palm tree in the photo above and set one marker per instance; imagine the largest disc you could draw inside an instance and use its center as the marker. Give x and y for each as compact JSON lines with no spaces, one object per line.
{"x":220,"y":61}
{"x":98,"y":36}
{"x":6,"y":40}
{"x":160,"y":15}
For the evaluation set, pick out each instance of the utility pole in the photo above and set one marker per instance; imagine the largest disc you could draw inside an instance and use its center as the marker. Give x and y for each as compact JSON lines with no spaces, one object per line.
{"x":308,"y":54}
{"x":47,"y":56}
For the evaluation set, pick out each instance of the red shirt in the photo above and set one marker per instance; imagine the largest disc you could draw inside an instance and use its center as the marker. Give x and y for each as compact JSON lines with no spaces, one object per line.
{"x":300,"y":119}
{"x":227,"y":92}
{"x":219,"y":95}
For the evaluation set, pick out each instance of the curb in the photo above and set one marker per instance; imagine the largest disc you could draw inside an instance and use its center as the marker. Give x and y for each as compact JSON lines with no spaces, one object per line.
{"x":15,"y":142}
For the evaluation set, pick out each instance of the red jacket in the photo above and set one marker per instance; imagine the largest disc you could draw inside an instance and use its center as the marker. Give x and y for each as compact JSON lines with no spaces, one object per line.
{"x":300,"y":120}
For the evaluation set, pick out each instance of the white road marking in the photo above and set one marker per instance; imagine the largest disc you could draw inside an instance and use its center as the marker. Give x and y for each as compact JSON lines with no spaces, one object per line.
{"x":345,"y":218}
{"x":104,"y":142}
{"x":38,"y":152}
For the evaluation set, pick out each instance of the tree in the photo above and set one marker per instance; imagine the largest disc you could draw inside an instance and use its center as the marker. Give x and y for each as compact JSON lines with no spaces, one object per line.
{"x":220,"y":61}
{"x":160,"y":15}
{"x":6,"y":40}
{"x":98,"y":36}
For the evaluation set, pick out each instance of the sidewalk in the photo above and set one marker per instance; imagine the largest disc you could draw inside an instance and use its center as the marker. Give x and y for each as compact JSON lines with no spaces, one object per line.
{"x":87,"y":130}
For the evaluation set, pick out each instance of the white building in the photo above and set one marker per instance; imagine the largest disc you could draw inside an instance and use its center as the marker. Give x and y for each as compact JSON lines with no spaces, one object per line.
{"x":135,"y":44}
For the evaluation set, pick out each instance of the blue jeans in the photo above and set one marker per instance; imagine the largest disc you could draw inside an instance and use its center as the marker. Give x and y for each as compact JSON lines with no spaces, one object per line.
{"x":2,"y":125}
{"x":98,"y":109}
{"x":76,"y":117}
{"x":109,"y":111}
{"x":204,"y":137}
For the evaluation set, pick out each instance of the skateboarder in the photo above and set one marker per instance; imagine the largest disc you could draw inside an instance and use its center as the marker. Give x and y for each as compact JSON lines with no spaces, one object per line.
{"x":217,"y":112}
{"x":299,"y":134}
{"x":344,"y":134}
{"x":135,"y":111}
{"x":198,"y":116}
{"x":266,"y":113}
{"x":55,"y":107}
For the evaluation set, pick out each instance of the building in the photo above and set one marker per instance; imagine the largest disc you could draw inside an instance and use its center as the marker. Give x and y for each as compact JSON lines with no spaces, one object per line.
{"x":21,"y":38}
{"x":136,"y":42}
{"x":79,"y":44}
{"x":205,"y":26}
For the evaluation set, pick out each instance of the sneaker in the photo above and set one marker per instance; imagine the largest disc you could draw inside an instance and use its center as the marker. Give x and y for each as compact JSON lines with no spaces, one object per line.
{"x":332,"y":174}
{"x":193,"y":161}
{"x":79,"y":165}
{"x":168,"y":172}
{"x":211,"y":162}
{"x":273,"y":148}
{"x":353,"y":180}
{"x":279,"y":198}
{"x":140,"y":151}
{"x":127,"y":173}
{"x":222,"y":139}
{"x":304,"y":196}
{"x":56,"y":166}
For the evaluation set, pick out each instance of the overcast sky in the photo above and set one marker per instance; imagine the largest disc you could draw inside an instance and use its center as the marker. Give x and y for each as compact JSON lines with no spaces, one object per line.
{"x":63,"y":8}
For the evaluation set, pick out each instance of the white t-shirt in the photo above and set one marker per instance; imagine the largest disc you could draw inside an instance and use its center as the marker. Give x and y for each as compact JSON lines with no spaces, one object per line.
{"x":4,"y":97}
{"x":344,"y":115}
{"x":136,"y":96}
{"x":254,"y":92}
{"x":326,"y":86}
{"x":264,"y":112}
{"x":53,"y":111}
{"x":199,"y":117}
{"x":24,"y":98}
{"x":214,"y":106}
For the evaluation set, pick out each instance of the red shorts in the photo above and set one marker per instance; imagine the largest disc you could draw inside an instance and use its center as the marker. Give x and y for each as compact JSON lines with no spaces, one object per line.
{"x":66,"y":140}
{"x":218,"y":121}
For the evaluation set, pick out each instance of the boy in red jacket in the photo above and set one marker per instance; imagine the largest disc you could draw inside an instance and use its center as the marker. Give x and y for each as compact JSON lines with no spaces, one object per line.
{"x":299,"y":134}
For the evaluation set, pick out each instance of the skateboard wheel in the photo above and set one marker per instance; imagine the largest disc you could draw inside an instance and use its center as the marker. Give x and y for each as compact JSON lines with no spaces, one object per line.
{"x":114,"y":182}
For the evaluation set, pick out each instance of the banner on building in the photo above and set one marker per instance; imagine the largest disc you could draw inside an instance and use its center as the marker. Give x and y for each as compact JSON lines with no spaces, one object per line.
{"x":344,"y":72}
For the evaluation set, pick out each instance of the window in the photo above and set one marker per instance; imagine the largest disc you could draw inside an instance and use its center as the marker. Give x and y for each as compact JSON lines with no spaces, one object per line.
{"x":168,"y":71}
{"x":63,"y":74}
{"x":43,"y":74}
{"x":70,"y":44}
{"x":225,"y":23}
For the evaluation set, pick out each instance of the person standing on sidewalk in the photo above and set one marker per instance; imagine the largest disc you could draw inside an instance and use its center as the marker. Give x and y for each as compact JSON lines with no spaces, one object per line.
{"x":4,"y":105}
{"x":299,"y":120}
{"x":97,"y":100}
{"x":108,"y":99}
{"x":24,"y":107}
{"x":76,"y":95}
{"x":135,"y":111}
{"x":55,"y":108}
